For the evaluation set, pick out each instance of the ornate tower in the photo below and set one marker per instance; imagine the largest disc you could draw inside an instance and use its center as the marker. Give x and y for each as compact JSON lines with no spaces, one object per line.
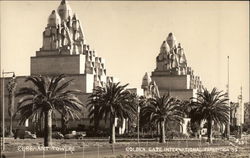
{"x":64,"y":51}
{"x":171,"y":58}
{"x":172,"y":73}
{"x":173,"y":76}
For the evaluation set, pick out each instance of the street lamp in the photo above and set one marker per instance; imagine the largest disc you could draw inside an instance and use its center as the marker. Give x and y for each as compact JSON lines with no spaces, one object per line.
{"x":240,"y":113}
{"x":138,"y":123}
{"x":3,"y":108}
{"x":228,"y":122}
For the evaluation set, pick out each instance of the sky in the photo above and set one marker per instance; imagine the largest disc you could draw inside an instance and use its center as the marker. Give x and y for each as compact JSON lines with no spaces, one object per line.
{"x":128,"y":35}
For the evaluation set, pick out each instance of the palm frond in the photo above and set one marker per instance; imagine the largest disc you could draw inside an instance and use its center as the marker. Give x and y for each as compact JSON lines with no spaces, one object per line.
{"x":48,"y":94}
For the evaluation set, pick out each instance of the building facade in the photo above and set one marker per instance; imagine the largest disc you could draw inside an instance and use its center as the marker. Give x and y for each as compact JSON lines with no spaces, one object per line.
{"x":247,"y":113}
{"x":172,"y":75}
{"x":238,"y":111}
{"x":64,"y":51}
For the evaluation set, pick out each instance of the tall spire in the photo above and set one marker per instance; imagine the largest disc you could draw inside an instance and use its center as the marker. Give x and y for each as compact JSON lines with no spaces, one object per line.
{"x":145,"y":81}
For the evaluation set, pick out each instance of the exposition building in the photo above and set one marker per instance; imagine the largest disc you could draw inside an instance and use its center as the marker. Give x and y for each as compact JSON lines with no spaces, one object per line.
{"x":64,"y":51}
{"x":172,"y":75}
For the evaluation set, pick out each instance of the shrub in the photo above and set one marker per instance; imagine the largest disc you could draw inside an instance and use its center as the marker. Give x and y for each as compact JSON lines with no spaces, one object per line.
{"x":97,"y":133}
{"x":175,"y":134}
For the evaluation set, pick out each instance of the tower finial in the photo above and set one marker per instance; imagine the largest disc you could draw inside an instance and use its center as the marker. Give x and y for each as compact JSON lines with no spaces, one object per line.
{"x":171,"y":40}
{"x":64,"y":10}
{"x":63,"y":2}
{"x":164,"y":47}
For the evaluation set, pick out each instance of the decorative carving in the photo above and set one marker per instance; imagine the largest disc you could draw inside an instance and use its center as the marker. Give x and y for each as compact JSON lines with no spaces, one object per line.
{"x":63,"y":32}
{"x":171,"y":58}
{"x":149,"y":87}
{"x":171,"y":61}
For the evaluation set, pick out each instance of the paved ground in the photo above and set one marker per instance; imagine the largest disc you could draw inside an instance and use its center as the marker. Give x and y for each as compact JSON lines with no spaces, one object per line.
{"x":101,"y":149}
{"x":121,"y":153}
{"x":88,"y":153}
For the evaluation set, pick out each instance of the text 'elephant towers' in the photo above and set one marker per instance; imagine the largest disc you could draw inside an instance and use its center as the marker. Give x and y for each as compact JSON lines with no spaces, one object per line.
{"x":172,"y":74}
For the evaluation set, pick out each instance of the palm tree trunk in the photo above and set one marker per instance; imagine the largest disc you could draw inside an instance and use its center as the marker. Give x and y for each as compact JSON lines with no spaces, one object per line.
{"x":40,"y":122}
{"x":151,"y":131}
{"x":96,"y":125}
{"x":11,"y":125}
{"x":163,"y":140}
{"x":199,"y":129}
{"x":112,"y":130}
{"x":209,"y":130}
{"x":11,"y":89}
{"x":11,"y":111}
{"x":128,"y":126}
{"x":11,"y":121}
{"x":158,"y":128}
{"x":63,"y":124}
{"x":48,"y":128}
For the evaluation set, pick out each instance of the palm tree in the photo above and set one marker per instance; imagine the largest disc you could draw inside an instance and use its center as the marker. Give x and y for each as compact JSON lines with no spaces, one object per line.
{"x":110,"y":102}
{"x":163,"y":110}
{"x":142,"y":101}
{"x":11,"y":89}
{"x":48,"y":95}
{"x":212,"y":107}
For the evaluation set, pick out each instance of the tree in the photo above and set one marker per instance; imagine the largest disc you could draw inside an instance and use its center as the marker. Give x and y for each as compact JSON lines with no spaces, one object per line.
{"x":144,"y":120}
{"x":110,"y":102}
{"x":189,"y":111}
{"x":48,"y":95}
{"x":163,"y":110}
{"x":212,"y":107}
{"x":195,"y":122}
{"x":247,"y":113}
{"x":11,"y":97}
{"x":185,"y":107}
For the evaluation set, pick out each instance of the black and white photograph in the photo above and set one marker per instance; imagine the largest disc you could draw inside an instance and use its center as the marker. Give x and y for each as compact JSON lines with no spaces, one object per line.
{"x":124,"y":79}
